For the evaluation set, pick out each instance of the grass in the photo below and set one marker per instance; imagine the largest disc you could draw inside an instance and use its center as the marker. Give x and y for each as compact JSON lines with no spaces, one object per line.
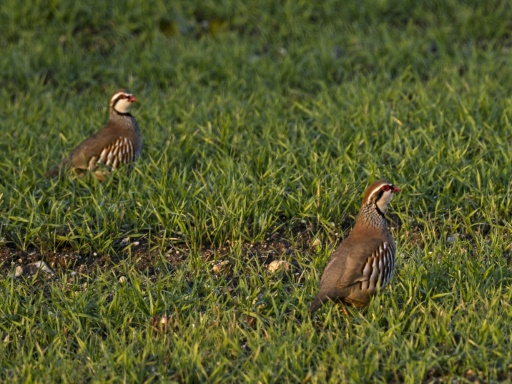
{"x":263,"y":122}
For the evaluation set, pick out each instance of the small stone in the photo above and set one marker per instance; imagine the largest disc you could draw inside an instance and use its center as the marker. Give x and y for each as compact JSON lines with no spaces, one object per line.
{"x":19,"y":271}
{"x":33,"y":268}
{"x":451,"y":239}
{"x":160,"y":322}
{"x":316,"y":243}
{"x":276,"y":265}
{"x":219,"y":267}
{"x":122,"y":279}
{"x":42,"y":266}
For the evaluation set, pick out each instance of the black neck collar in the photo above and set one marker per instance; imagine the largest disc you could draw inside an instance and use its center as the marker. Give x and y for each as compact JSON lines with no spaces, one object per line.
{"x":120,"y":113}
{"x":379,"y":211}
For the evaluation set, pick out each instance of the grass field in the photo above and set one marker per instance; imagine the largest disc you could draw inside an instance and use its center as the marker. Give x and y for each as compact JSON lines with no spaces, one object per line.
{"x":263,"y":123}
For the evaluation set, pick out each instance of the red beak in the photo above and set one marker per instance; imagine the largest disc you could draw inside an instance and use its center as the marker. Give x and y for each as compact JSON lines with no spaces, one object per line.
{"x":132,"y":99}
{"x":395,"y":189}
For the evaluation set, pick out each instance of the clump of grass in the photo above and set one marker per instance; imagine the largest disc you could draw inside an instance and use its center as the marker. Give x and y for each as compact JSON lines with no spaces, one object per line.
{"x":262,"y":124}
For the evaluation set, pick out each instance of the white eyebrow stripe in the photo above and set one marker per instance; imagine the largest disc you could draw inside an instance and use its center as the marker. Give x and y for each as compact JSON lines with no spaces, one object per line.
{"x":117,"y":95}
{"x":371,"y":194}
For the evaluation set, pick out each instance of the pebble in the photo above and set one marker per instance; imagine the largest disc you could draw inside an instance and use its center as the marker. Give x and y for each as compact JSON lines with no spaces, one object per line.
{"x":276,"y":265}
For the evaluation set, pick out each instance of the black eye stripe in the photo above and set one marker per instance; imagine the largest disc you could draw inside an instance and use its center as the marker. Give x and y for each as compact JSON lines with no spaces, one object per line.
{"x":120,"y":96}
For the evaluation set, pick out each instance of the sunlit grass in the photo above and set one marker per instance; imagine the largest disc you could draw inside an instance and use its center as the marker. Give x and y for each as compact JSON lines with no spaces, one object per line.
{"x":263,"y":122}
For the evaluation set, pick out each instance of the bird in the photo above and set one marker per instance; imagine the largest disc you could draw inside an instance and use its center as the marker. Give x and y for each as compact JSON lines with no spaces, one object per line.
{"x":364,"y":261}
{"x":118,"y":142}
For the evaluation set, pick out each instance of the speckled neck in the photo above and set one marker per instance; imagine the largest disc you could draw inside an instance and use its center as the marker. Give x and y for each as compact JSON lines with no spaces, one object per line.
{"x":125,"y":120}
{"x":371,"y":216}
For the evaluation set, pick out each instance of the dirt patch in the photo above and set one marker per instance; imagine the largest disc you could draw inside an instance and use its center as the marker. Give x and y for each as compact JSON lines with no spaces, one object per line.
{"x":277,"y":244}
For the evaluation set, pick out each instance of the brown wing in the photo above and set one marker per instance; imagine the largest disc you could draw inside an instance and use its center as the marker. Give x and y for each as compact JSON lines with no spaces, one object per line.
{"x":348,"y":262}
{"x":356,"y":270}
{"x":104,"y":147}
{"x":80,"y":158}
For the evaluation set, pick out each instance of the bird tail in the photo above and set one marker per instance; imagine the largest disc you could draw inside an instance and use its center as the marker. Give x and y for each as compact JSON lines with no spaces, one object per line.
{"x":317,"y":303}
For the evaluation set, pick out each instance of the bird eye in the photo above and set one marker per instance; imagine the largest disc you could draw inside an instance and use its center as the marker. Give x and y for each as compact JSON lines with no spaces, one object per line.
{"x":386,"y":188}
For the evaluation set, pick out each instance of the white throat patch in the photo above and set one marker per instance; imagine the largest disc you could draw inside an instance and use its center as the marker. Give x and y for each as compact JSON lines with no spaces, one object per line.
{"x":122,"y":105}
{"x":384,"y":200}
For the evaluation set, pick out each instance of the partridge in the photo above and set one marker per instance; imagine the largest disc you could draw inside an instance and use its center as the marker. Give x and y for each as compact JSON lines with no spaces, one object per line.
{"x":364,"y":262}
{"x":118,"y":142}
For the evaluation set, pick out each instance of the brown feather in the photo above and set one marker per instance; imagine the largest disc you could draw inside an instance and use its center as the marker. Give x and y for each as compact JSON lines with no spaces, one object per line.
{"x":118,"y":142}
{"x":363,"y":263}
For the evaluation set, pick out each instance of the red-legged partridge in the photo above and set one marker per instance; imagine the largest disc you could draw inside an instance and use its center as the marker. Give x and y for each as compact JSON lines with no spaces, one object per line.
{"x":118,"y":142}
{"x":363,"y":263}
